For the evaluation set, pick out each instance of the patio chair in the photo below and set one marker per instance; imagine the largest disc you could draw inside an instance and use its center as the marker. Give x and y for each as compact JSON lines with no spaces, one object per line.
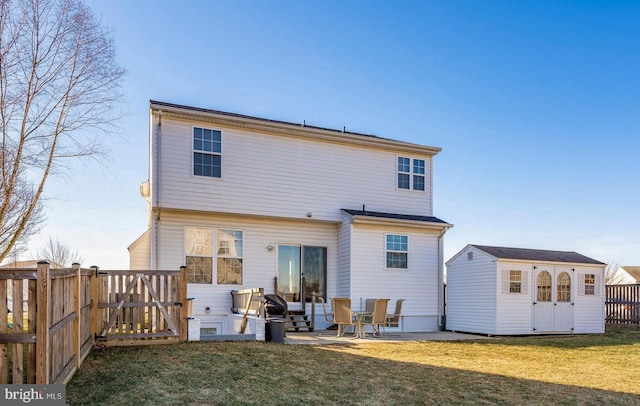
{"x":369,"y":304}
{"x":393,"y":320}
{"x":342,"y":315}
{"x":324,"y":310}
{"x":377,"y":318}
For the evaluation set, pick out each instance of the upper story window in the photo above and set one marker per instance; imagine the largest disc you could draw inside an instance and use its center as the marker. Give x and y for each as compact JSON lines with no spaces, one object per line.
{"x":207,"y":152}
{"x":411,"y":173}
{"x":397,"y":248}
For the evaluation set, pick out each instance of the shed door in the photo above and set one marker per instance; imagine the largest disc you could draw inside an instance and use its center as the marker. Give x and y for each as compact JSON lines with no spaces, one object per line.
{"x":553,"y":301}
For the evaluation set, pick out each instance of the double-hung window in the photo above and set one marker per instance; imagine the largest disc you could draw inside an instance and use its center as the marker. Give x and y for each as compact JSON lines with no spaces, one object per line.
{"x":515,"y":281}
{"x":230,"y":253}
{"x":397,"y":249}
{"x":207,"y":152}
{"x":411,"y":173}
{"x":199,"y":255}
{"x":198,"y":247}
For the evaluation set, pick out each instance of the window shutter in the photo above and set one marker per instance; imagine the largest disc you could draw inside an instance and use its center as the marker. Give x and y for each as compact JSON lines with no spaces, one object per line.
{"x":524,"y":287}
{"x":581,"y":282}
{"x":505,"y":281}
{"x":596,"y":289}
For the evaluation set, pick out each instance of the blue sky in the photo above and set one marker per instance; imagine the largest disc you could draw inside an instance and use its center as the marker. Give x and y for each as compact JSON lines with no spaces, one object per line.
{"x":535,"y":104}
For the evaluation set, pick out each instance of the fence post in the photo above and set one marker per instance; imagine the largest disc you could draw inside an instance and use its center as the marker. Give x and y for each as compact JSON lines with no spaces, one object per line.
{"x":42,"y":323}
{"x":77,"y":323}
{"x":95,"y":298}
{"x":184,"y":309}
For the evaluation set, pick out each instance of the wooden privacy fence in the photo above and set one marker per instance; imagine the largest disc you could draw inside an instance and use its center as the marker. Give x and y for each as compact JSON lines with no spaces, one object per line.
{"x":75,"y":307}
{"x":623,"y":304}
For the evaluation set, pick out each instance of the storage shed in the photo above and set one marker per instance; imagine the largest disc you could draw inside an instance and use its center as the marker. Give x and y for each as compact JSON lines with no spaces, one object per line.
{"x":514,"y":291}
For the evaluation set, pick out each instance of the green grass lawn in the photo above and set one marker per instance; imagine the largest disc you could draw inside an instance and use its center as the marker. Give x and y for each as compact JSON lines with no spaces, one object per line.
{"x":567,"y":370}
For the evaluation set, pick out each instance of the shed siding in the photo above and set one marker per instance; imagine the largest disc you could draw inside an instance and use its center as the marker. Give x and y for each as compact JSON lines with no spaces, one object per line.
{"x":471,"y":293}
{"x":303,"y":176}
{"x":259,"y":263}
{"x":418,"y":284}
{"x":514,"y":311}
{"x":589,"y":310}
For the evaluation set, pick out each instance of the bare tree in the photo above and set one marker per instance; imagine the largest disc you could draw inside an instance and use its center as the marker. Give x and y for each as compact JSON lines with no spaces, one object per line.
{"x":59,"y":85}
{"x":56,"y":252}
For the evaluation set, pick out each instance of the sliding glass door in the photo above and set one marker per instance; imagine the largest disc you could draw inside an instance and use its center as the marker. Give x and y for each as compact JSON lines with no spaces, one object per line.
{"x":296,"y":262}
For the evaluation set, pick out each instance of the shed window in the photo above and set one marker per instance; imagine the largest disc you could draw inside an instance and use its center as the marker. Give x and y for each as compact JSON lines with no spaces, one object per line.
{"x":397,"y":247}
{"x":515,"y":281}
{"x":590,"y":284}
{"x":544,"y":287}
{"x":564,"y":287}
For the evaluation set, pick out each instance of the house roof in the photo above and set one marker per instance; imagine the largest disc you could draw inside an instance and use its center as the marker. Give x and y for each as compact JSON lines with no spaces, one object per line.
{"x":633,"y":271}
{"x":536,"y":255}
{"x":394,"y":216}
{"x":32,"y":263}
{"x":285,"y":127}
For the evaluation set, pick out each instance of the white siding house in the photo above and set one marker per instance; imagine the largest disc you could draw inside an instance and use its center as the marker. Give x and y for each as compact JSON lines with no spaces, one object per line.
{"x":241,"y":200}
{"x":513,"y":291}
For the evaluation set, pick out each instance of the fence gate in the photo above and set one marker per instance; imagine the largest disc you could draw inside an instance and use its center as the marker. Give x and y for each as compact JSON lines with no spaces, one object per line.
{"x":141,"y":304}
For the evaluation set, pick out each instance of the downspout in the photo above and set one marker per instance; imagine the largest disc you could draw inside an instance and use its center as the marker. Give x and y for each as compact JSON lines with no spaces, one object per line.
{"x":441,"y":292}
{"x":156,"y":195}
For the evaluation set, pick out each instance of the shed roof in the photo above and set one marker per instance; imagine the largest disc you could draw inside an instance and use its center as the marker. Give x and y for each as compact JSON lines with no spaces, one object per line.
{"x":395,"y":216}
{"x":537,"y":255}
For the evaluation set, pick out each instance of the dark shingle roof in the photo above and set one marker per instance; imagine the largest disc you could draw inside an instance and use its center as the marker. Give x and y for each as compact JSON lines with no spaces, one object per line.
{"x":266,"y":120}
{"x":536,"y":255}
{"x":411,"y":217}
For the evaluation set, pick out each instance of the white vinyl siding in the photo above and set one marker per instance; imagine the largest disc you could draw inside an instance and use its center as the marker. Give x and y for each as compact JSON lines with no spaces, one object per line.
{"x":589,"y":309}
{"x":514,"y":310}
{"x":140,"y":252}
{"x":259,"y":262}
{"x":418,"y":284}
{"x":270,"y":175}
{"x":471,"y":293}
{"x":343,"y":279}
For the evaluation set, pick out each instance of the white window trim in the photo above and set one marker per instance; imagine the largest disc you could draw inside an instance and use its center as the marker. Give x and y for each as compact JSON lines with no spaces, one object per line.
{"x":220,"y":154}
{"x":582,"y":284}
{"x":411,"y":173}
{"x":506,"y":281}
{"x":214,"y":252}
{"x":387,"y":250}
{"x":216,"y":256}
{"x":184,"y":252}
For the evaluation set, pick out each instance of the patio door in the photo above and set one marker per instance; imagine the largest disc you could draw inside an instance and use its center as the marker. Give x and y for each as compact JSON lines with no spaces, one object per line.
{"x":296,"y":262}
{"x":553,"y":305}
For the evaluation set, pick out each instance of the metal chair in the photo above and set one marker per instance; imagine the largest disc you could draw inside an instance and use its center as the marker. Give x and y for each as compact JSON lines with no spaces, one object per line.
{"x":393,"y":320}
{"x":377,"y":318}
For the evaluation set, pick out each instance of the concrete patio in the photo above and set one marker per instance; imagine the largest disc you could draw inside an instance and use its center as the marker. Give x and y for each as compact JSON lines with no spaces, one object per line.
{"x":322,"y":337}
